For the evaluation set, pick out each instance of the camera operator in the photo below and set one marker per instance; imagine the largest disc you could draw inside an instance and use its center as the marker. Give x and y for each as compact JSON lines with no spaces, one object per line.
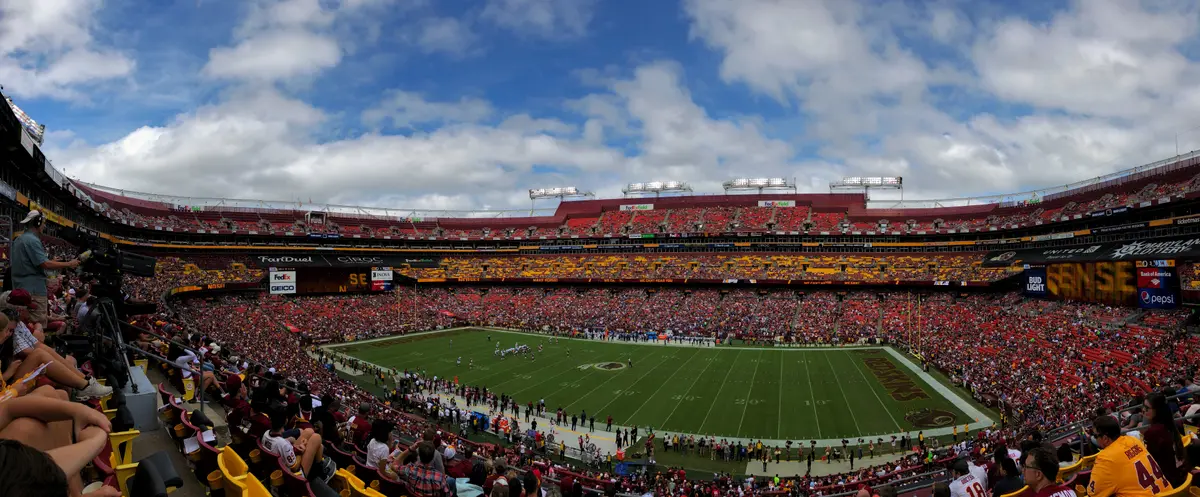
{"x":29,"y":265}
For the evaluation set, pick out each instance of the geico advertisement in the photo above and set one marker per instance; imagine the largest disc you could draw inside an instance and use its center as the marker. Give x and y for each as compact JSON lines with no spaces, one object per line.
{"x":282,"y":282}
{"x":381,"y":275}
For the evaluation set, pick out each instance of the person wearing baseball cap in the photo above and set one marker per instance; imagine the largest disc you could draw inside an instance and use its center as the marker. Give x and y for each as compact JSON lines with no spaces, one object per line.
{"x":29,"y":264}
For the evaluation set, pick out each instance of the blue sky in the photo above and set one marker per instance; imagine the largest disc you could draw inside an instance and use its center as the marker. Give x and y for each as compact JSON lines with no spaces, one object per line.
{"x":452,"y":104}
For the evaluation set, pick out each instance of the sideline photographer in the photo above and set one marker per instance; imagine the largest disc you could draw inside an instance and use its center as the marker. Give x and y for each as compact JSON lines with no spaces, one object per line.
{"x":29,"y":265}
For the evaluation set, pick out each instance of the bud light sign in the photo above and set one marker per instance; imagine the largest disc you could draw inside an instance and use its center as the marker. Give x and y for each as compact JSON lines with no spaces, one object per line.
{"x":1035,"y":282}
{"x":1158,"y":287}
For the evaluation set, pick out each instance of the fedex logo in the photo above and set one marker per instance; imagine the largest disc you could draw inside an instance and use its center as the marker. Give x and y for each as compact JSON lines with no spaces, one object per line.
{"x":281,"y":276}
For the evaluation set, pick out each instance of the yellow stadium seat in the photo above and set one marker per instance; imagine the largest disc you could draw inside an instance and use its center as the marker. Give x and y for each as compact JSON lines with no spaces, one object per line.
{"x":234,"y":471}
{"x":1183,"y":489}
{"x":1088,"y":462}
{"x":1065,"y":473}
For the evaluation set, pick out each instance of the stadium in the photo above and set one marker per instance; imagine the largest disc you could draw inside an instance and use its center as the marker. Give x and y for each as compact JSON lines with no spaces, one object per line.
{"x":615,"y":345}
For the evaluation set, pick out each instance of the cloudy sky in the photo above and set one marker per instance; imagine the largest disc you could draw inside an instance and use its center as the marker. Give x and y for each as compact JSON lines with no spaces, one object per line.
{"x":466,"y":104}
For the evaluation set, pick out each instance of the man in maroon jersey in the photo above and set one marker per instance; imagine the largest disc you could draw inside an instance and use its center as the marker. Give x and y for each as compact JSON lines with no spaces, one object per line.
{"x":1041,"y":469}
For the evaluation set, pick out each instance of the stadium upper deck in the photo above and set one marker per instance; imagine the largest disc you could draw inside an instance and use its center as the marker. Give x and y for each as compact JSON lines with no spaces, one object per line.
{"x":791,"y":214}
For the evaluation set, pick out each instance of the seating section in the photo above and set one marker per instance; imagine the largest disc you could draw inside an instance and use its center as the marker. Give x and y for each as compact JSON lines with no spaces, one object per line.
{"x":860,"y":267}
{"x":997,"y":345}
{"x":675,"y":217}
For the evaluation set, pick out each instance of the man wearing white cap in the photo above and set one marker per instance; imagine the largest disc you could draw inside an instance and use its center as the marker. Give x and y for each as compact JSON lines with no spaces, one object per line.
{"x":29,"y":264}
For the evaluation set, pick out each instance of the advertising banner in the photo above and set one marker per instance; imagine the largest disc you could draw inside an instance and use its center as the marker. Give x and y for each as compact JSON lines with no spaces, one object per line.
{"x":282,"y":282}
{"x":1158,"y":285}
{"x":776,"y":203}
{"x":317,"y":260}
{"x":1157,"y":299}
{"x":1035,"y":282}
{"x":637,"y":207}
{"x":1154,"y":248}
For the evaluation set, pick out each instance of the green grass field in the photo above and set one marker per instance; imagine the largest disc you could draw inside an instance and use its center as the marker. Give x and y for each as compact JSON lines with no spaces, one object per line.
{"x":769,"y":394}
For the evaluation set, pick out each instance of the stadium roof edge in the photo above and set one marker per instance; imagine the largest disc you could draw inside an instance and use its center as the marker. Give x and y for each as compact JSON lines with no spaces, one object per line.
{"x":1002,"y":200}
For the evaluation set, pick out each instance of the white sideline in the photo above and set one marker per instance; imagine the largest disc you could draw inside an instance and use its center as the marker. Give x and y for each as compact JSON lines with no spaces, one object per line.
{"x":980,"y":419}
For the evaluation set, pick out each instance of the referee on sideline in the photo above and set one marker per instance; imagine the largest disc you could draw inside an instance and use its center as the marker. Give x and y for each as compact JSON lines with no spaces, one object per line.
{"x":29,"y":264}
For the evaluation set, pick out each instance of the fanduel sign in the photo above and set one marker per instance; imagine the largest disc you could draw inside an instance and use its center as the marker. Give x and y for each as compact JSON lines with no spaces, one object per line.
{"x":276,"y":260}
{"x":355,"y":261}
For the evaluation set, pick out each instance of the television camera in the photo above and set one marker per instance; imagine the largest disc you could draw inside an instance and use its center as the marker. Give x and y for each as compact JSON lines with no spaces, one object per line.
{"x":100,"y":336}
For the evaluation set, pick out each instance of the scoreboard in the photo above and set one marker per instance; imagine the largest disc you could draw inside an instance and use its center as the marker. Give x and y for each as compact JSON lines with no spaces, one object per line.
{"x":311,"y":280}
{"x":1152,"y":284}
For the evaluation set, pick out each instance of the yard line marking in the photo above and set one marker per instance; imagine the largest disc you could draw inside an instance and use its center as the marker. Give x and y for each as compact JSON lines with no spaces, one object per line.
{"x":812,"y":394}
{"x":749,"y":392}
{"x":673,"y":356}
{"x":718,"y":396}
{"x":644,"y":402}
{"x":877,"y":397}
{"x":589,"y":375}
{"x":779,"y":429}
{"x":610,"y":378}
{"x":689,"y":390}
{"x":847,"y":399}
{"x":514,"y":368}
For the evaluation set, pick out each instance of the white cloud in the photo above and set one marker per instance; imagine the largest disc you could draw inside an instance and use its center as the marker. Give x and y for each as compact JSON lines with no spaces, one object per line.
{"x":406,"y":109}
{"x":1012,"y":104}
{"x":47,"y":49}
{"x":275,"y":55}
{"x":681,"y":141}
{"x":284,"y":39}
{"x":445,"y":35}
{"x":262,"y":144}
{"x":1104,"y":59}
{"x":541,"y":18}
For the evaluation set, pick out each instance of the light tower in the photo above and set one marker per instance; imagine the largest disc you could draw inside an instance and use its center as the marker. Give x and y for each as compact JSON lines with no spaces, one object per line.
{"x":760,"y":184}
{"x":656,"y":188}
{"x":866,"y":183}
{"x":561,"y":193}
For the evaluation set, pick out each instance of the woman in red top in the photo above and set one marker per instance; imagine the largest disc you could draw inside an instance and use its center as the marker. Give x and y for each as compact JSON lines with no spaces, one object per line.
{"x":1163,"y":440}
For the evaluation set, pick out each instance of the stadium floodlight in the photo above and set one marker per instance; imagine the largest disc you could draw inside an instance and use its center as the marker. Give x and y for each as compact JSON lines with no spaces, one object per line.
{"x":760,"y":184}
{"x":561,"y":192}
{"x":867,"y":183}
{"x":656,"y":188}
{"x":858,"y":182}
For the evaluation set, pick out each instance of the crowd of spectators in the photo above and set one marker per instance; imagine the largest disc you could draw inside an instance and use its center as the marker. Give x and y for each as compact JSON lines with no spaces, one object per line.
{"x":809,"y":267}
{"x":715,"y":219}
{"x":1044,"y":363}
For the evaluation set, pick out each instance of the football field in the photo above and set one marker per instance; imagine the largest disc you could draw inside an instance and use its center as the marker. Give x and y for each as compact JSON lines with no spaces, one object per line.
{"x":733,"y":392}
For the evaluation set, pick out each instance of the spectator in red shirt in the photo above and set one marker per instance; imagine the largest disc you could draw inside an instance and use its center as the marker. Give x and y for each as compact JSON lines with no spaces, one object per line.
{"x":1041,"y":469}
{"x":1163,"y":440}
{"x":362,"y":427}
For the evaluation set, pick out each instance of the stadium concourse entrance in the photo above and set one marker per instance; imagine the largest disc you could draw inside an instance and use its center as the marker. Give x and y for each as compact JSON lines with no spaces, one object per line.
{"x":825,"y":395}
